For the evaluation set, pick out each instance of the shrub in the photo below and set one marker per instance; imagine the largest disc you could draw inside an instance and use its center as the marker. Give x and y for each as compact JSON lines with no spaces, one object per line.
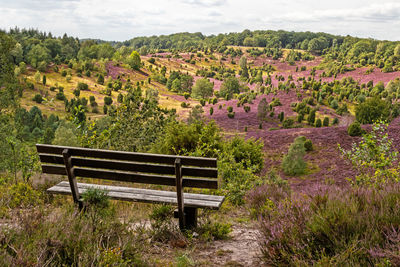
{"x":60,"y":96}
{"x":318,"y":123}
{"x":185,"y":105}
{"x":373,"y":109}
{"x":211,"y":110}
{"x":374,"y":158}
{"x":293,"y":163}
{"x":202,"y":102}
{"x":108,"y":100}
{"x":308,"y":145}
{"x":326,"y":122}
{"x":82,"y":86}
{"x":229,"y":109}
{"x":355,"y":129}
{"x":322,"y":228}
{"x":186,"y":95}
{"x":231,"y":115}
{"x":246,"y":109}
{"x":38,"y":98}
{"x":335,"y":121}
{"x":288,"y":123}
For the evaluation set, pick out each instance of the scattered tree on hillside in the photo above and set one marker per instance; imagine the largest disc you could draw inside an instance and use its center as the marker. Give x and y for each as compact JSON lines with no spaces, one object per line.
{"x":134,"y":60}
{"x":202,"y":89}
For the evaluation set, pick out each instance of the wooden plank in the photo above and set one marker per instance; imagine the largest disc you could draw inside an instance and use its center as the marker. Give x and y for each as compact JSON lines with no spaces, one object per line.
{"x":130,"y":166}
{"x":131,"y":177}
{"x":130,"y":156}
{"x":179,"y":193}
{"x":134,"y":190}
{"x":144,"y":195}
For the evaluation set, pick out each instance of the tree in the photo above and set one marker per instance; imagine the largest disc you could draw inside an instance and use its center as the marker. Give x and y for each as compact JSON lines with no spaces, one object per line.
{"x":37,"y":77}
{"x":39,"y":55}
{"x":229,"y":87}
{"x":8,"y":83}
{"x":373,"y":109}
{"x":203,"y":88}
{"x":293,"y":163}
{"x":243,"y":67}
{"x":262,"y":109}
{"x":134,"y":60}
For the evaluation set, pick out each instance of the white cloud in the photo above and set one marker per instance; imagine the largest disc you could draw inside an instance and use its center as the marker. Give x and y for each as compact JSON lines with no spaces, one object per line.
{"x":124,"y":19}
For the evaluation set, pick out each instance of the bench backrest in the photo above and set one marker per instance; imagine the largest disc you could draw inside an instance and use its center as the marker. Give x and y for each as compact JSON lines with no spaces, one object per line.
{"x":129,"y":166}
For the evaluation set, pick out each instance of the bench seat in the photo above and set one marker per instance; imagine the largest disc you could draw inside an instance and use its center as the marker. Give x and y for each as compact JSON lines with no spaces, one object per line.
{"x":144,"y":195}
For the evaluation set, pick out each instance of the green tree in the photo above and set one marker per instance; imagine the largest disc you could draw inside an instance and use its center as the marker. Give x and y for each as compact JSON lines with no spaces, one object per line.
{"x":8,"y":83}
{"x":293,"y":163}
{"x":262,"y":109}
{"x":229,"y":87}
{"x":39,"y":54}
{"x":134,"y":60}
{"x":372,"y":110}
{"x":203,"y":88}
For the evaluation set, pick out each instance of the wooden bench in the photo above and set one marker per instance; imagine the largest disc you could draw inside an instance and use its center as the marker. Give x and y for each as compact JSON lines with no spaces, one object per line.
{"x":169,"y":170}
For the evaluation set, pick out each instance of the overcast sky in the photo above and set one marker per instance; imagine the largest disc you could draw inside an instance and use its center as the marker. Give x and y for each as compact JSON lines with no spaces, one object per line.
{"x":124,"y":19}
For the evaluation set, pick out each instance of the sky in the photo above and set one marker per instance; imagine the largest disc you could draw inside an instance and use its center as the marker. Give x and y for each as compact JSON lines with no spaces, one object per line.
{"x":120,"y":20}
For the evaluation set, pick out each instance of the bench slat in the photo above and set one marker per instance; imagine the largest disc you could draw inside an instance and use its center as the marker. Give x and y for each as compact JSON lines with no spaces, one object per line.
{"x":131,"y":177}
{"x":130,"y":166}
{"x":130,"y":156}
{"x":145,"y":195}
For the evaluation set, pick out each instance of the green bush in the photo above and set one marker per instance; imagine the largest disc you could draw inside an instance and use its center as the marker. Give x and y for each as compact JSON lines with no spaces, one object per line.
{"x":211,"y":110}
{"x":288,"y":123}
{"x":372,"y":110}
{"x":308,"y":145}
{"x":293,"y":162}
{"x":318,"y":123}
{"x":326,"y":122}
{"x":231,"y":115}
{"x":82,"y":86}
{"x":335,"y":121}
{"x":229,"y":109}
{"x":108,"y":100}
{"x":38,"y":98}
{"x":355,"y":129}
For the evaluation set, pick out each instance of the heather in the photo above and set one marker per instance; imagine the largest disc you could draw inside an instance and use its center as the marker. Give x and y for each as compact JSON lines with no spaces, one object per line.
{"x":328,"y":225}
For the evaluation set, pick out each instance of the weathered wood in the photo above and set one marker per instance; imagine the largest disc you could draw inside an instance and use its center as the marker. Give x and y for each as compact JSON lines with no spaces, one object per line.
{"x":128,"y":156}
{"x":145,"y":168}
{"x":130,"y":166}
{"x":134,"y":190}
{"x":132,"y":177}
{"x":71,"y":175}
{"x":144,"y":195}
{"x":179,"y":193}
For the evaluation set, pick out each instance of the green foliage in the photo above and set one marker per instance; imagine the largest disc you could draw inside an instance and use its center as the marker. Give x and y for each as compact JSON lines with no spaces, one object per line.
{"x":293,"y":162}
{"x":210,"y":231}
{"x":229,"y":87}
{"x":325,"y":123}
{"x":21,"y":195}
{"x":374,"y":158}
{"x":203,"y":88}
{"x":108,"y":100}
{"x":134,"y":60}
{"x":38,"y":98}
{"x":82,"y":86}
{"x":288,"y":123}
{"x":262,"y":110}
{"x":308,"y":145}
{"x":318,"y":123}
{"x":231,"y":115}
{"x":355,"y":129}
{"x":373,"y":109}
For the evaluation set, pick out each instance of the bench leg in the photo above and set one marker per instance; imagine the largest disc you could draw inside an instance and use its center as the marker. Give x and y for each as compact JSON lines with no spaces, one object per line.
{"x":191,"y":217}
